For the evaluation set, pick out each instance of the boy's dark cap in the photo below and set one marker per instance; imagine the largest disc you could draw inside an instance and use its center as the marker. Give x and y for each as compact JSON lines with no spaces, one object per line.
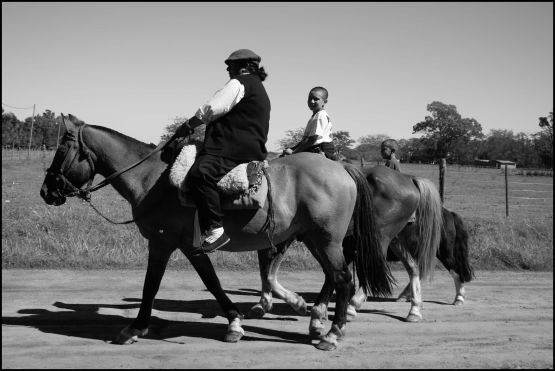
{"x":246,"y":55}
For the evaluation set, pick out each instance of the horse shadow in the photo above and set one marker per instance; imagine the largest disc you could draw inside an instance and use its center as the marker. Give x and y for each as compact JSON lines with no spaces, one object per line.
{"x":85,"y":321}
{"x":94,"y":321}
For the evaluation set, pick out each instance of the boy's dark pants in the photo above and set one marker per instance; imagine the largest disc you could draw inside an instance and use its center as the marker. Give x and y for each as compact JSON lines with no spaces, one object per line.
{"x":202,"y":178}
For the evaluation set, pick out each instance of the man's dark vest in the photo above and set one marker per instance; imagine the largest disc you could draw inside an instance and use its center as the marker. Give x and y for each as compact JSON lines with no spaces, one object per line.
{"x":241,"y":134}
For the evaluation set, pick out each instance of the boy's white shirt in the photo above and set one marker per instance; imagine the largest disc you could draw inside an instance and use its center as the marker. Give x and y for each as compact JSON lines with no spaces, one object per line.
{"x":319,"y":124}
{"x":221,"y":102}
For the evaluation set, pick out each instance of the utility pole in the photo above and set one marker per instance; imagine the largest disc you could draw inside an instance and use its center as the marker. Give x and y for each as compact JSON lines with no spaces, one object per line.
{"x":58,"y":137}
{"x":31,"y":134}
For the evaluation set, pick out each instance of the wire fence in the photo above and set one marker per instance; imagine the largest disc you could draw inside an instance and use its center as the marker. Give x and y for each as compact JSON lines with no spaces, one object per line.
{"x":469,"y":191}
{"x":25,"y":154}
{"x":488,"y":192}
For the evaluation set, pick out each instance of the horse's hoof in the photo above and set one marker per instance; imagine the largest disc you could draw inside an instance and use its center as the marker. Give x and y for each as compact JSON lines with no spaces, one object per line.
{"x":233,"y":336}
{"x":413,"y":318}
{"x":458,"y":302}
{"x":256,"y":312}
{"x":351,"y":313}
{"x":326,"y":345}
{"x":316,"y":333}
{"x":129,"y":336}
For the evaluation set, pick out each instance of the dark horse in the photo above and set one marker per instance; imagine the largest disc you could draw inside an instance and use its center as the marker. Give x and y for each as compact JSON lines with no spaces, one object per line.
{"x":396,"y":196}
{"x":314,"y":200}
{"x":452,"y":253}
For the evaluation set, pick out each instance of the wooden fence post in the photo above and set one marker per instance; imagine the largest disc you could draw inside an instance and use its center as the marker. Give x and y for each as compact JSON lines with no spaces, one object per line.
{"x":506,"y":191}
{"x":441,"y":178}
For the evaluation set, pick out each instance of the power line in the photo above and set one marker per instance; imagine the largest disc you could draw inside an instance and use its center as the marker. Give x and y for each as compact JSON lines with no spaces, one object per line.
{"x":7,"y":105}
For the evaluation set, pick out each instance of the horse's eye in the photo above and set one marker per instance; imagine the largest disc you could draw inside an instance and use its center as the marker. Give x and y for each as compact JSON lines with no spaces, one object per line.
{"x":60,"y":183}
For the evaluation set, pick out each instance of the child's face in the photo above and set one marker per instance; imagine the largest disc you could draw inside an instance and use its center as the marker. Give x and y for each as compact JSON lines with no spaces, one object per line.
{"x":316,"y":100}
{"x":386,"y":152}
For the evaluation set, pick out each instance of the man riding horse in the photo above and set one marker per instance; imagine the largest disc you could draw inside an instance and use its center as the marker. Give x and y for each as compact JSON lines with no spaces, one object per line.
{"x":237,"y":121}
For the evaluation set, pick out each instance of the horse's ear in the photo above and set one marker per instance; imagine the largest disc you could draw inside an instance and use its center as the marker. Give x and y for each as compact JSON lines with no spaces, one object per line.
{"x":70,"y":126}
{"x":75,"y":120}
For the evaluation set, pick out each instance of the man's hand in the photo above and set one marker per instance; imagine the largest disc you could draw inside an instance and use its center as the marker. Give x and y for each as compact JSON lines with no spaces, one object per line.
{"x":286,"y":151}
{"x":184,"y":130}
{"x":188,"y":126}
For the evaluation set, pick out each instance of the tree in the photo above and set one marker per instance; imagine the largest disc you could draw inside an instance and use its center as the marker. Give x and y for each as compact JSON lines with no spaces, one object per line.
{"x":499,"y":145}
{"x":46,"y":130}
{"x":292,"y":137}
{"x":544,"y":140}
{"x":342,"y":141}
{"x":10,"y":125}
{"x":415,"y":150}
{"x":445,"y":129}
{"x":375,"y":140}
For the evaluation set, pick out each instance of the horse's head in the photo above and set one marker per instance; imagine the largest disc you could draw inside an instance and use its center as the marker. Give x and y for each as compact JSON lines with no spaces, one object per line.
{"x":71,"y":167}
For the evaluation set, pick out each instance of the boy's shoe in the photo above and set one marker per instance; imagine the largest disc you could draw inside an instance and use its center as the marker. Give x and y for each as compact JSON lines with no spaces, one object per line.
{"x":210,"y":245}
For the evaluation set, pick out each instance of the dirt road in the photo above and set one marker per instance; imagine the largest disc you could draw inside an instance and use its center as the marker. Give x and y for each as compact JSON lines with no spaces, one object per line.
{"x":67,"y":319}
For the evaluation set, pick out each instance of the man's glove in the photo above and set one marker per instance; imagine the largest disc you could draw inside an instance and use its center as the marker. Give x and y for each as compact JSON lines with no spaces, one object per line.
{"x":187,"y":128}
{"x":184,"y":130}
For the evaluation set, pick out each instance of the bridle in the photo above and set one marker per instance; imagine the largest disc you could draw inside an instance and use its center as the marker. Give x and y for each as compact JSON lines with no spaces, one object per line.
{"x":63,"y":183}
{"x":67,"y":162}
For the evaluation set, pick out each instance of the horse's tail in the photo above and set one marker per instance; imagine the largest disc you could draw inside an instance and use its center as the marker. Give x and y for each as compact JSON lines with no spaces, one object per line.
{"x":371,"y":266}
{"x":461,"y":250}
{"x":429,"y":220}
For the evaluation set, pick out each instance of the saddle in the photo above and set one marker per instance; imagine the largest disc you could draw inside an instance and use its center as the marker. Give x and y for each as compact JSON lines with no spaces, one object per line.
{"x":244,"y":187}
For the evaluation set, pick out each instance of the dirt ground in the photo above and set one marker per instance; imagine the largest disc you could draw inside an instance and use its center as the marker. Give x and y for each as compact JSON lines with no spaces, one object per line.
{"x":67,"y":319}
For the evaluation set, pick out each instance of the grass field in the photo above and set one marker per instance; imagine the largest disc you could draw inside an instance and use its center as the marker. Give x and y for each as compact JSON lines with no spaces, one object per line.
{"x":35,"y":235}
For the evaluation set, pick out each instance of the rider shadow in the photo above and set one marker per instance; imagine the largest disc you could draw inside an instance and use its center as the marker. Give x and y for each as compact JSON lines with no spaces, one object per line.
{"x":209,"y":308}
{"x":84,"y":321}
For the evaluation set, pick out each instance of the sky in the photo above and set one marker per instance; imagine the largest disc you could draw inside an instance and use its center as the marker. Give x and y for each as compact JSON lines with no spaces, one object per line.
{"x":136,"y":66}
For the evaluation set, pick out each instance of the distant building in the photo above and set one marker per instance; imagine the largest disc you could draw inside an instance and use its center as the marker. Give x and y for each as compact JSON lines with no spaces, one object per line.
{"x":502,"y":163}
{"x":483,"y":163}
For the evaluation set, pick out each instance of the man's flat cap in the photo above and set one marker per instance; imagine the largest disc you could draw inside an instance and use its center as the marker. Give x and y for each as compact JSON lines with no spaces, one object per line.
{"x":243,"y":55}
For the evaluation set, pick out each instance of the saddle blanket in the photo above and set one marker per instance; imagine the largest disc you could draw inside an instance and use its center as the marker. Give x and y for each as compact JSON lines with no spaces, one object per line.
{"x":244,"y":187}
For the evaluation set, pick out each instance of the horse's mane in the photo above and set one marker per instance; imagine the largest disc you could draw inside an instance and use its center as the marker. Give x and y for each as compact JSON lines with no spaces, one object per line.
{"x":134,"y":141}
{"x":123,"y":136}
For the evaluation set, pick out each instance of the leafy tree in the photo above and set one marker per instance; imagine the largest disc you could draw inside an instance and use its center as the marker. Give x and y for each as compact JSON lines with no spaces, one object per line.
{"x":341,"y":141}
{"x":445,"y":129}
{"x":544,"y":140}
{"x":499,"y":145}
{"x":375,"y":140}
{"x":45,"y":131}
{"x":10,"y":126}
{"x":415,"y":150}
{"x":292,"y":137}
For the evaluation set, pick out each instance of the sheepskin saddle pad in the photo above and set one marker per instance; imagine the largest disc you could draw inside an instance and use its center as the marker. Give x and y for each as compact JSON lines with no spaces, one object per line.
{"x":244,"y":187}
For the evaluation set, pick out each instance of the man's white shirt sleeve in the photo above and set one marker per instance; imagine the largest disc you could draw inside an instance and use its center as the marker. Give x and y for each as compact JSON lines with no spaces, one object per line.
{"x":221,"y":102}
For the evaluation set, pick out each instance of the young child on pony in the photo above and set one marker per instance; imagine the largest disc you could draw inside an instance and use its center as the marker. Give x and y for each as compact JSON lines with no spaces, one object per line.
{"x":317,"y":135}
{"x":388,"y":149}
